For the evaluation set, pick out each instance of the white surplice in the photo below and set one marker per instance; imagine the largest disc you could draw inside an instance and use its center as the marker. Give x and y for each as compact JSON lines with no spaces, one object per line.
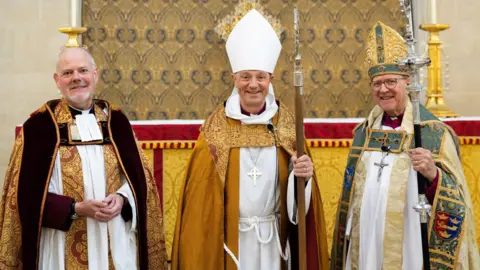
{"x":373,"y":214}
{"x":259,"y":239}
{"x":122,"y":234}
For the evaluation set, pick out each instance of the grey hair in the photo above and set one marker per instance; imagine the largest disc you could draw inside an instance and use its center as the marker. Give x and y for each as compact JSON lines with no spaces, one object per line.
{"x":63,"y":50}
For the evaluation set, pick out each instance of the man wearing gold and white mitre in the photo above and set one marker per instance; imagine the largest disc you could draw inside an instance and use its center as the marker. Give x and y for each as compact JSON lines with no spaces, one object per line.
{"x":377,"y":227}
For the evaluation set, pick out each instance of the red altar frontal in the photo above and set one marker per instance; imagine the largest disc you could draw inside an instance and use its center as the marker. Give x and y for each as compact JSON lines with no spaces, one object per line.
{"x":168,"y":145}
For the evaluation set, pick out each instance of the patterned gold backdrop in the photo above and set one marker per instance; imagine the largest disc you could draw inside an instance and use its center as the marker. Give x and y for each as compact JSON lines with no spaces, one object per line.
{"x":161,"y":59}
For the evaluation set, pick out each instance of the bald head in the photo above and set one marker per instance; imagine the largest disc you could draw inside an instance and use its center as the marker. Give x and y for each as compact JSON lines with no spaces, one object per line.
{"x":76,"y":77}
{"x":68,"y":51}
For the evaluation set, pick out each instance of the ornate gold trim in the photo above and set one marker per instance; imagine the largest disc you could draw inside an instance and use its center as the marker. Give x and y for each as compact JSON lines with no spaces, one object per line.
{"x":432,"y":220}
{"x":40,"y":110}
{"x":442,"y":262}
{"x":449,"y":199}
{"x":387,"y":133}
{"x":442,"y":253}
{"x":72,"y":142}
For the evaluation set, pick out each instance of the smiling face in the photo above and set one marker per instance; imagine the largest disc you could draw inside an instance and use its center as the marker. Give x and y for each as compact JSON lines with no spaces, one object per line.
{"x":252,"y":87}
{"x":76,"y":77}
{"x":390,"y":93}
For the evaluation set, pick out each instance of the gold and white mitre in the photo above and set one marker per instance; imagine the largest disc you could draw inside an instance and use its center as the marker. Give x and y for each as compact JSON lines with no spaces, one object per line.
{"x":385,"y":47}
{"x":253,"y":44}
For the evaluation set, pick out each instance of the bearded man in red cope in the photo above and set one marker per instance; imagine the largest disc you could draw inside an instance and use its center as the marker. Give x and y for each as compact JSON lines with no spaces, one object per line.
{"x":79,"y":193}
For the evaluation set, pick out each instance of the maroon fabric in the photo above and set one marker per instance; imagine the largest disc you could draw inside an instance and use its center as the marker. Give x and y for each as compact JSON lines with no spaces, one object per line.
{"x":432,"y":189}
{"x":393,"y":123}
{"x":122,"y":136}
{"x":465,"y":128}
{"x":329,"y":130}
{"x":312,"y":253}
{"x":40,"y":140}
{"x":312,"y":247}
{"x":167,"y":132}
{"x":245,"y":112}
{"x":126,"y":213}
{"x":56,"y":213}
{"x":312,"y":130}
{"x":171,"y":132}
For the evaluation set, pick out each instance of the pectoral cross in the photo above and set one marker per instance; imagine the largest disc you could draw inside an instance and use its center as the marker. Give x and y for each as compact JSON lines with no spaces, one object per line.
{"x":381,"y":165}
{"x":254,"y":173}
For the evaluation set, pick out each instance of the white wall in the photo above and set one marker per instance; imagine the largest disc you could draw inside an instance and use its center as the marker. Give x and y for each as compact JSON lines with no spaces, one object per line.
{"x":29,"y":44}
{"x":461,"y":42}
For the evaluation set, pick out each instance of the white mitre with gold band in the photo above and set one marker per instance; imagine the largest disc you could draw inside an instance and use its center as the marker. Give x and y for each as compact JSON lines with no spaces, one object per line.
{"x":253,"y":44}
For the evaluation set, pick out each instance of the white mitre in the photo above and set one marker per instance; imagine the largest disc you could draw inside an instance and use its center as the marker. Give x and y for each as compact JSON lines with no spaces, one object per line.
{"x":253,"y":44}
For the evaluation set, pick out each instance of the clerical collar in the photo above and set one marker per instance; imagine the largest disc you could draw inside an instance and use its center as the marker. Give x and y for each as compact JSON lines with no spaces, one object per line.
{"x":392,"y":121}
{"x":244,"y":112}
{"x":75,"y":111}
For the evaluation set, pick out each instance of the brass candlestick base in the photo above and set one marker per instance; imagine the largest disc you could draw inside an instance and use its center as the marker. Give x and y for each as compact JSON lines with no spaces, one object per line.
{"x":72,"y":33}
{"x":435,"y":102}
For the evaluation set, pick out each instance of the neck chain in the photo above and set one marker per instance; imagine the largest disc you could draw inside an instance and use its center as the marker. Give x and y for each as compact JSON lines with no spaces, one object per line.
{"x":251,"y":158}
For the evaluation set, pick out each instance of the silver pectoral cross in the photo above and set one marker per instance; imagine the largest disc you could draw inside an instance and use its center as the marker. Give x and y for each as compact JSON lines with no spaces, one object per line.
{"x":381,"y":165}
{"x":254,"y":173}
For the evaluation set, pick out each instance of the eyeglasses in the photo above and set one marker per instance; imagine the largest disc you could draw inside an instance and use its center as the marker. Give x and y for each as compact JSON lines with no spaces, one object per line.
{"x":389,"y":84}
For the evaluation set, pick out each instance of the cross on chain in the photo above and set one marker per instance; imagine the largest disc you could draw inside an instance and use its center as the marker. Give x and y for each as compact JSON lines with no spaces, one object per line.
{"x":381,"y":165}
{"x":254,"y":173}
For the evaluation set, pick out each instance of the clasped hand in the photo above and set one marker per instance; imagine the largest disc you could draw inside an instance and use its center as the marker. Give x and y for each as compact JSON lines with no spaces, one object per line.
{"x":101,"y":210}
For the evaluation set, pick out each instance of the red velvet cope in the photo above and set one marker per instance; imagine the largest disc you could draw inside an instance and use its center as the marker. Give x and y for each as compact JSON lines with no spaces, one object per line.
{"x":312,"y":253}
{"x":56,"y":214}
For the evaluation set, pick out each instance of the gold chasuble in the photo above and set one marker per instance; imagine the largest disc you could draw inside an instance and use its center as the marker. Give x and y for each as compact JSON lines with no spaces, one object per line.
{"x":208,"y":209}
{"x":25,"y":205}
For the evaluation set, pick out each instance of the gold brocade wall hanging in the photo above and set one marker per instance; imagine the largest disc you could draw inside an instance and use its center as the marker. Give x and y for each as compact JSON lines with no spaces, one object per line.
{"x":162,"y":59}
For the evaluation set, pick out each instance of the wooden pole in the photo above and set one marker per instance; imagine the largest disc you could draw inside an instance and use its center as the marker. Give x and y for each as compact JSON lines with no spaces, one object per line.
{"x":300,"y":144}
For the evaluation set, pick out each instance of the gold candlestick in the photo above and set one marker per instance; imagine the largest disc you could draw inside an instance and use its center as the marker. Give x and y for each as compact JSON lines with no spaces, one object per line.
{"x":435,"y":102}
{"x":73,"y":33}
